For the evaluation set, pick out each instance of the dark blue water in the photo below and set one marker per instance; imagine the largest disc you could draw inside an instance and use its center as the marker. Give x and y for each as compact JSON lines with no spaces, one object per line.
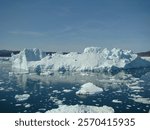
{"x":131,"y":87}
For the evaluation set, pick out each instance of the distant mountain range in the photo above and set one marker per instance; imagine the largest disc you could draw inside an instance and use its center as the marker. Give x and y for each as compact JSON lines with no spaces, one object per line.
{"x":144,"y":54}
{"x":7,"y":53}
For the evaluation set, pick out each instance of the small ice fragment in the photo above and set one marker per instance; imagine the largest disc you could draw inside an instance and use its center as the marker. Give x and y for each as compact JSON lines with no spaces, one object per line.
{"x":116,"y":101}
{"x":67,"y":90}
{"x":22,"y":97}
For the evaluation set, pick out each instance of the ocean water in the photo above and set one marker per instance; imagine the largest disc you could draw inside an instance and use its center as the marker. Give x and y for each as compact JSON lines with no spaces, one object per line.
{"x":124,"y":91}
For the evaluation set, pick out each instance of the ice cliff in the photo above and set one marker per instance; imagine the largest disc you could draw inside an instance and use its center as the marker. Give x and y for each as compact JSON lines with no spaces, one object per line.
{"x":22,"y":60}
{"x":92,"y":59}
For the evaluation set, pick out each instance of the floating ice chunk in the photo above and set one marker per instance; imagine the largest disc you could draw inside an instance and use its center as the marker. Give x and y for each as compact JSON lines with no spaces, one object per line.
{"x":136,"y":87}
{"x":89,"y":89}
{"x":3,"y":100}
{"x":141,"y":100}
{"x":56,"y":91}
{"x":18,"y":105}
{"x":67,"y":90}
{"x":81,"y":109}
{"x":1,"y":88}
{"x":27,"y":105}
{"x":22,"y":97}
{"x":136,"y":96}
{"x":42,"y":109}
{"x":47,"y":73}
{"x":116,"y":101}
{"x":56,"y":101}
{"x":1,"y":82}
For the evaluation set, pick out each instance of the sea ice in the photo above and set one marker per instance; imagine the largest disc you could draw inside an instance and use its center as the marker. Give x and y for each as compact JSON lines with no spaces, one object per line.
{"x":1,"y":82}
{"x":1,"y":88}
{"x":22,"y":97}
{"x":27,"y":105}
{"x":89,"y":89}
{"x":116,"y":101}
{"x":81,"y":109}
{"x":67,"y":90}
{"x":141,"y":100}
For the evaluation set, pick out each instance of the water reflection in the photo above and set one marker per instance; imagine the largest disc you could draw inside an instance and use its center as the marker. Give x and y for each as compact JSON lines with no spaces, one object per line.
{"x":125,"y":91}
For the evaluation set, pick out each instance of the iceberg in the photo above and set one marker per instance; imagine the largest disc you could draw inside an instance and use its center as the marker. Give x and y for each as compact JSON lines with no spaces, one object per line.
{"x":89,"y":89}
{"x":22,"y":97}
{"x":81,"y":109}
{"x":91,"y":59}
{"x":21,"y":60}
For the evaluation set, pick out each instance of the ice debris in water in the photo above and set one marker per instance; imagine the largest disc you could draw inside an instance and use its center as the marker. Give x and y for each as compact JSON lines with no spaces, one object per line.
{"x":141,"y":100}
{"x":92,"y":59}
{"x":67,"y":90}
{"x":89,"y":89}
{"x":22,"y":97}
{"x":81,"y":109}
{"x":1,"y":82}
{"x":1,"y":88}
{"x":116,"y":101}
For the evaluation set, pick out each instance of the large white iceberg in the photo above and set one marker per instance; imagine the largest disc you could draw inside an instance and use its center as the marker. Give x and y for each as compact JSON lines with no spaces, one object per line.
{"x":92,"y":59}
{"x":81,"y":109}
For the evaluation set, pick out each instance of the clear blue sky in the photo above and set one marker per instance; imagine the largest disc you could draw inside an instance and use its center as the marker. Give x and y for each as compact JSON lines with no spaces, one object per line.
{"x":71,"y":25}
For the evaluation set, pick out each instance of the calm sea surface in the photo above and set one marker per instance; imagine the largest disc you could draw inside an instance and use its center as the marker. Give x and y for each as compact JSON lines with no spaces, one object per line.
{"x":123,"y":91}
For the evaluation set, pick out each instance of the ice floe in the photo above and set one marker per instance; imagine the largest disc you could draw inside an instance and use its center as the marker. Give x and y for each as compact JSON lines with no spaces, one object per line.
{"x":1,"y":88}
{"x":67,"y":90}
{"x":56,"y":101}
{"x":81,"y":109}
{"x":116,"y":101}
{"x":22,"y":97}
{"x":27,"y":105}
{"x":89,"y":89}
{"x":141,"y":100}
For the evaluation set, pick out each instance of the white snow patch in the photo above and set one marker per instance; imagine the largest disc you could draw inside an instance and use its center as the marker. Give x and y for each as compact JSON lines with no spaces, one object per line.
{"x":89,"y":89}
{"x":22,"y":97}
{"x":81,"y":109}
